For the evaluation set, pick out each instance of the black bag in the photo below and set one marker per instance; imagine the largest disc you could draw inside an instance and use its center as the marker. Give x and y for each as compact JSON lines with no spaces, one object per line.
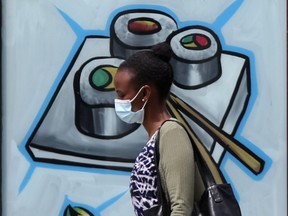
{"x":216,"y":200}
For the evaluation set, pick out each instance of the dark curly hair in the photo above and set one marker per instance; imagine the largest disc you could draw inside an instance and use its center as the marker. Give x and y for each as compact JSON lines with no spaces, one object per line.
{"x":152,"y":66}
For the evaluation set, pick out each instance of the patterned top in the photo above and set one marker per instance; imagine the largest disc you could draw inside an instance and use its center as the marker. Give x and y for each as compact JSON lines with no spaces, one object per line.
{"x":143,"y":181}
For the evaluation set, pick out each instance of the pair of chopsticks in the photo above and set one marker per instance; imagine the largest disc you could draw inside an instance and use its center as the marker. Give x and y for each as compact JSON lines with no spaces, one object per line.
{"x":253,"y":162}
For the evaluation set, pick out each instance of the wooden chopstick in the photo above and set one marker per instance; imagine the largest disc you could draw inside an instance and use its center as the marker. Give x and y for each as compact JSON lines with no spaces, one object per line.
{"x":253,"y":162}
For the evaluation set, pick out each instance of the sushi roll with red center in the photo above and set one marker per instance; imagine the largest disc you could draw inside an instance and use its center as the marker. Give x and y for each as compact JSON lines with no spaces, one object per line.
{"x":134,"y":30}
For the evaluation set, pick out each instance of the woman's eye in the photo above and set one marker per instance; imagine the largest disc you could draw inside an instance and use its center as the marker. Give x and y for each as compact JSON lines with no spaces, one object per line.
{"x":120,"y":95}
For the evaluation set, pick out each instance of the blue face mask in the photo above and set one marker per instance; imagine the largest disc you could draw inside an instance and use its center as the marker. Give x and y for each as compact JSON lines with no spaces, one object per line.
{"x":124,"y":111}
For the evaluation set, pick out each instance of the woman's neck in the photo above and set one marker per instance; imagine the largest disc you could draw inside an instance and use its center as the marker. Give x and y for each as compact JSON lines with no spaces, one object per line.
{"x":154,"y":119}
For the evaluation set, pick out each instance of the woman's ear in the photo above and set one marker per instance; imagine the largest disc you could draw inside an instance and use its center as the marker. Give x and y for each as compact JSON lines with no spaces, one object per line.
{"x":146,"y":92}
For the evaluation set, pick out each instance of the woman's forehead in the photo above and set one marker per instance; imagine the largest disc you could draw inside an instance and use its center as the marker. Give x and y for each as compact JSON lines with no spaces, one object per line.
{"x":124,"y":78}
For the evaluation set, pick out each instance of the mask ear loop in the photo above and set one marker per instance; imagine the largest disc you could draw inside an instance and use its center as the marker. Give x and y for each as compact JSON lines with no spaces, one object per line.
{"x":142,"y":98}
{"x":137,"y":94}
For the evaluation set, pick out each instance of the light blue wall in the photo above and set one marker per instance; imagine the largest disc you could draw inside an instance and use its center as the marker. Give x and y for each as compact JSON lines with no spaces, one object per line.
{"x":50,"y":162}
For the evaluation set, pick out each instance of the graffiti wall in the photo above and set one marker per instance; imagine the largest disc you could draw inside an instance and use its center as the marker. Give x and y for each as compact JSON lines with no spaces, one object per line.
{"x":65,"y":152}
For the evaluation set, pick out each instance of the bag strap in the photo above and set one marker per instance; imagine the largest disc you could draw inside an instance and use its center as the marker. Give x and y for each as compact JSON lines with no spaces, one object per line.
{"x":166,"y":209}
{"x":204,"y":170}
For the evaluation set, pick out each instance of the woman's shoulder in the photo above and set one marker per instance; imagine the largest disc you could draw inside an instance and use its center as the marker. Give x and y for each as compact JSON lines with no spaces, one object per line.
{"x":171,"y":125}
{"x":173,"y":130}
{"x":174,"y":139}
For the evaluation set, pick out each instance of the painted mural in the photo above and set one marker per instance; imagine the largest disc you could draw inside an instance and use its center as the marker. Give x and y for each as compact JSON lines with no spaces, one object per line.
{"x":76,"y":129}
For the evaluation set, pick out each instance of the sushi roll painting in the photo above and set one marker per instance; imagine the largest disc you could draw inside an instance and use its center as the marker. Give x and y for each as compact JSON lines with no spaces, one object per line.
{"x":79,"y":128}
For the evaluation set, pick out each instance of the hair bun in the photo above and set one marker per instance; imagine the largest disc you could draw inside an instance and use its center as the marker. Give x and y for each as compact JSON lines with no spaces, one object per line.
{"x":162,"y":51}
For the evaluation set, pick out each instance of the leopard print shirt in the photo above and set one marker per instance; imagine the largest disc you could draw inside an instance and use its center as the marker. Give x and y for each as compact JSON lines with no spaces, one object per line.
{"x":143,"y":181}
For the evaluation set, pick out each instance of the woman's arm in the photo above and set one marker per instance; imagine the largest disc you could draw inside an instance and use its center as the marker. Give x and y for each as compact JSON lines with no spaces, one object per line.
{"x":176,"y":167}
